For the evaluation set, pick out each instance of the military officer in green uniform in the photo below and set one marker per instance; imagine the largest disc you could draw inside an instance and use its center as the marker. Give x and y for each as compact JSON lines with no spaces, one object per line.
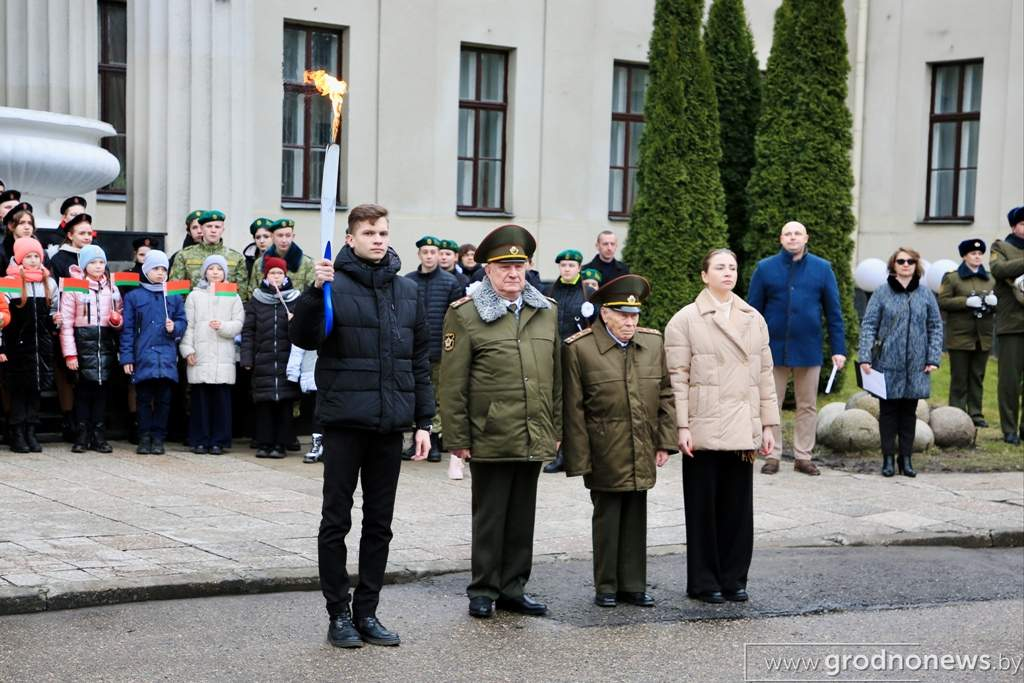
{"x":969,"y":303}
{"x":300,"y":266}
{"x":501,"y":407}
{"x":188,"y":262}
{"x":1007,"y":265}
{"x":619,"y":419}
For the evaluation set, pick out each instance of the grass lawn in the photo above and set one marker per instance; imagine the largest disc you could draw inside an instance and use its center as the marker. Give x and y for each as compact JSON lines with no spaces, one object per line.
{"x":990,"y":454}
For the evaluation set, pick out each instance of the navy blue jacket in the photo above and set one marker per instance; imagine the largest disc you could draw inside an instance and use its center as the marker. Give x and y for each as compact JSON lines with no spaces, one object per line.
{"x":438,"y":288}
{"x":791,"y":295}
{"x":145,"y":343}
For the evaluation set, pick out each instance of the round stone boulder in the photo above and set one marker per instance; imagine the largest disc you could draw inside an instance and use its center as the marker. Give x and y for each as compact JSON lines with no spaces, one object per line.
{"x":924,"y":411}
{"x":826,"y":416}
{"x":864,"y":401}
{"x":854,"y":430}
{"x":924,"y":438}
{"x":952,"y":427}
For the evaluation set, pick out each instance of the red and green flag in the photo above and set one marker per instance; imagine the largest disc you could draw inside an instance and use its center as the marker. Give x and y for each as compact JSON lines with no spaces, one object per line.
{"x":10,"y":285}
{"x":225,"y":289}
{"x":125,"y":279}
{"x":177,"y":287}
{"x":74,"y":284}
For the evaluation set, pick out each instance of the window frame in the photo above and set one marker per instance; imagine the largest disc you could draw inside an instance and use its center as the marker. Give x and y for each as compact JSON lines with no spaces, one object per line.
{"x":308,"y":91}
{"x":104,"y":70}
{"x":627,"y":117}
{"x":477,"y":106}
{"x":959,"y":117}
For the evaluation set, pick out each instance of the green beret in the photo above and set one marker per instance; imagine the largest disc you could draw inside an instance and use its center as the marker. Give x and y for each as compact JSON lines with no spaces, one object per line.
{"x":591,"y":274}
{"x":626,"y":293}
{"x":260,"y":222}
{"x":569,"y":255}
{"x":193,"y":215}
{"x":508,"y":243}
{"x":208,"y":216}
{"x":428,"y":241}
{"x":450,"y":245}
{"x":282,"y":223}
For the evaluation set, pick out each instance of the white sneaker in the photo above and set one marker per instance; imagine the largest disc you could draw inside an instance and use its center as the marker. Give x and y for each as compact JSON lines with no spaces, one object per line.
{"x":454,"y":467}
{"x":316,"y":450}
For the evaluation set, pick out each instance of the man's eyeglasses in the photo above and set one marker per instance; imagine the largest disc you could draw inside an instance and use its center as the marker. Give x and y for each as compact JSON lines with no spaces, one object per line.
{"x":906,"y":261}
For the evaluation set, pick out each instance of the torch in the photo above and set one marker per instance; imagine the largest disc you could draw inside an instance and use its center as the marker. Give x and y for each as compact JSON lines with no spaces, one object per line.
{"x":335,"y":89}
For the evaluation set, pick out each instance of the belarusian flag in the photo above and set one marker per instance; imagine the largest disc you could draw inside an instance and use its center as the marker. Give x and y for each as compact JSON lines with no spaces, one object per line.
{"x":225,"y":289}
{"x":74,"y":284}
{"x":125,"y":279}
{"x":177,"y":287}
{"x":10,"y":285}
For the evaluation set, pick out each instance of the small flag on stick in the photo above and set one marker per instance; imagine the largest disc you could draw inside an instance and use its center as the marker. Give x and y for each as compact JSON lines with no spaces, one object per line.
{"x":74,"y":284}
{"x":177,"y":287}
{"x":125,"y":279}
{"x":225,"y":289}
{"x":10,"y":285}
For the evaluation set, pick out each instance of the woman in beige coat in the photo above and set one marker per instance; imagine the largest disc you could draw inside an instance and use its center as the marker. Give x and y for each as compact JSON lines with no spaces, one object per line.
{"x":215,"y":314}
{"x":721,"y":371}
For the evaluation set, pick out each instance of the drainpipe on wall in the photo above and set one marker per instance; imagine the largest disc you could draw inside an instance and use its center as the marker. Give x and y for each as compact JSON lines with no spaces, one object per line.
{"x":859,"y":70}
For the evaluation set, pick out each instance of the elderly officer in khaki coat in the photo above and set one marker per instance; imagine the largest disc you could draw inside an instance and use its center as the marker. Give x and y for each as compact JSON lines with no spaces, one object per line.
{"x":501,"y":408}
{"x":619,"y":421}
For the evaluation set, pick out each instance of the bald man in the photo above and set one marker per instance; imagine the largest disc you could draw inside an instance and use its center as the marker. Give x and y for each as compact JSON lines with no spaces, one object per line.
{"x":791,"y":290}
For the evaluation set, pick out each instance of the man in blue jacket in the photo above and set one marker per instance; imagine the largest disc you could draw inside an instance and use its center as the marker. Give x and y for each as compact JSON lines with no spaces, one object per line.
{"x":790,"y":290}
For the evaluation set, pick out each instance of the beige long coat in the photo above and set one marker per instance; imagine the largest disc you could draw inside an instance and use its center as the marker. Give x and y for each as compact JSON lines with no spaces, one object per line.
{"x":721,"y":374}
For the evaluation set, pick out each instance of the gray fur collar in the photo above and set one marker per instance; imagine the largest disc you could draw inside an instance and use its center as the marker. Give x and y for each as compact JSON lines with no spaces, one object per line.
{"x":490,"y":306}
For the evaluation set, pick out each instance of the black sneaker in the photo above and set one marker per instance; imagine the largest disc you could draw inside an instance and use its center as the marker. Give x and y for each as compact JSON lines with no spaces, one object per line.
{"x":376,"y":633}
{"x":342,"y":632}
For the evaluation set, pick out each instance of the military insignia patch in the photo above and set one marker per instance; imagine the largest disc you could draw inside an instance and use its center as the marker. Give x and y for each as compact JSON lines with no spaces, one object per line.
{"x":449,"y":341}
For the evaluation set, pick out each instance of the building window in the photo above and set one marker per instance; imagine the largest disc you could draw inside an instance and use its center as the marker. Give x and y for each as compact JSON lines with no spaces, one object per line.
{"x":306,"y":129}
{"x":953,"y":140}
{"x":483,"y":109}
{"x":629,"y":86}
{"x":113,"y":73}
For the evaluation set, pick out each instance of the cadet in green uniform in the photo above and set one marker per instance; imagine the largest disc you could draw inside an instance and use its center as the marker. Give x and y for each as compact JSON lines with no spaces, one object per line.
{"x":1007,"y":265}
{"x":966,"y":297}
{"x":300,"y":266}
{"x":188,"y":262}
{"x":501,"y":407}
{"x":619,"y":418}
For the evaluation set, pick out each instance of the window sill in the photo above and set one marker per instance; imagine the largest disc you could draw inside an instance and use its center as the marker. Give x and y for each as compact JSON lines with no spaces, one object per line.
{"x":484,"y":214}
{"x":115,"y":197}
{"x":618,"y":219}
{"x":312,"y":206}
{"x":945,"y":221}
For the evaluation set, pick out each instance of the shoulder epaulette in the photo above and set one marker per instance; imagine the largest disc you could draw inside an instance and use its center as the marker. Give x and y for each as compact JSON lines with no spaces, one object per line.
{"x":578,"y":335}
{"x":456,"y":304}
{"x":649,"y":330}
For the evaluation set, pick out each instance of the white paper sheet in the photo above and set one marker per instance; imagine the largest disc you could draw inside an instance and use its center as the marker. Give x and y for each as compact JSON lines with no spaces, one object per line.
{"x":874,"y":382}
{"x":831,"y":379}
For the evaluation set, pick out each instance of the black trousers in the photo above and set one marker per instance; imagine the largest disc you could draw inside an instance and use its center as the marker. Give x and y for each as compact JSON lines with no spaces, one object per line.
{"x":718,"y":497}
{"x":619,"y":530}
{"x":375,"y":460}
{"x":210,"y":421}
{"x":967,"y":380}
{"x":897,"y":418}
{"x":273,"y":423}
{"x":153,"y":397}
{"x":90,"y":402}
{"x":1011,"y":383}
{"x":504,"y":510}
{"x":24,"y":400}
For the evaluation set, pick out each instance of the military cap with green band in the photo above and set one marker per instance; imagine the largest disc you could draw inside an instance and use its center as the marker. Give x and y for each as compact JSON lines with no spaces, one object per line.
{"x":281,"y":223}
{"x":591,"y":274}
{"x":260,"y":222}
{"x":450,"y":245}
{"x":209,"y":216}
{"x":506,"y":244}
{"x":626,"y":293}
{"x":193,"y":216}
{"x":569,"y":255}
{"x":428,"y":241}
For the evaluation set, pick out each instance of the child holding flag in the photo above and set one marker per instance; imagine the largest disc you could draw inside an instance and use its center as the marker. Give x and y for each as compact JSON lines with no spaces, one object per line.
{"x":27,"y":346}
{"x":215,"y":314}
{"x":265,"y":350}
{"x":154,"y":323}
{"x":90,"y":308}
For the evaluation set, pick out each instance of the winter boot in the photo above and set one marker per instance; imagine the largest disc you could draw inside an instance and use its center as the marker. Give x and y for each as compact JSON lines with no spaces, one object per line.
{"x":435,"y":449}
{"x":68,"y":431}
{"x":81,"y":438}
{"x":145,"y":446}
{"x":556,"y":465}
{"x":30,"y":437}
{"x":157,"y":447}
{"x":19,"y":444}
{"x":316,"y":449}
{"x":98,"y":439}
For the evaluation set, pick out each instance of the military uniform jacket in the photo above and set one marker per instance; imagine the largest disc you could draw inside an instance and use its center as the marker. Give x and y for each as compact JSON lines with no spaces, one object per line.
{"x":617,"y":409}
{"x":501,"y":377}
{"x":187,"y":263}
{"x":966,"y":327}
{"x":1007,"y":264}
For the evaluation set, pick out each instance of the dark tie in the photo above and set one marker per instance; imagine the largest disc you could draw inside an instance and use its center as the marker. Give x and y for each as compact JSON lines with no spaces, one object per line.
{"x":514,"y":310}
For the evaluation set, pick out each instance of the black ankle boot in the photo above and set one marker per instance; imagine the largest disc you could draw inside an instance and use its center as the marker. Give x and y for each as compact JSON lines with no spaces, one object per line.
{"x":81,"y":438}
{"x":157,"y":447}
{"x":435,"y":449}
{"x":556,"y":465}
{"x":905,"y":466}
{"x":888,"y":468}
{"x":98,"y":440}
{"x":19,"y":444}
{"x":30,"y":437}
{"x":145,"y":446}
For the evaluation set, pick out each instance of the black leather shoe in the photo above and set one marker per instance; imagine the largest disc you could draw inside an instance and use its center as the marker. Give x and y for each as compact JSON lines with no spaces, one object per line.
{"x":480,"y":607}
{"x":30,"y":437}
{"x":980,"y":422}
{"x":375,"y":633}
{"x":1011,"y":438}
{"x":435,"y":449}
{"x":556,"y":465}
{"x":905,"y":467}
{"x":522,"y":605}
{"x":145,"y":446}
{"x":605,"y":600}
{"x":888,"y":466}
{"x":277,"y":452}
{"x":199,"y":450}
{"x":640,"y":599}
{"x":738,"y":596}
{"x":342,"y":632}
{"x":158,"y":446}
{"x":262,"y":452}
{"x":216,"y":450}
{"x":711,"y":597}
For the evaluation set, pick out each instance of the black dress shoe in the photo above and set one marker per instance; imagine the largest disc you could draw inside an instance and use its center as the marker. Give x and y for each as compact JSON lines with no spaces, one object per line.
{"x":738,"y":596}
{"x":199,"y":450}
{"x":262,"y":452}
{"x":522,"y":605}
{"x":605,"y":599}
{"x":980,"y":422}
{"x":480,"y":607}
{"x":711,"y":597}
{"x":277,"y":452}
{"x":640,"y":599}
{"x":157,"y":446}
{"x":1011,"y":438}
{"x":375,"y":633}
{"x":342,"y":632}
{"x":216,"y":450}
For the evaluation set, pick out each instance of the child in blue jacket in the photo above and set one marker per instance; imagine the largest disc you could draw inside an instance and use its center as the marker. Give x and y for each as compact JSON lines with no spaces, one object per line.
{"x":153,"y":326}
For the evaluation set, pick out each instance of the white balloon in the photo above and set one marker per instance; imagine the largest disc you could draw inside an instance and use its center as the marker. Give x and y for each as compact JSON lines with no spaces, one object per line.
{"x":870,"y":274}
{"x":936,"y":271}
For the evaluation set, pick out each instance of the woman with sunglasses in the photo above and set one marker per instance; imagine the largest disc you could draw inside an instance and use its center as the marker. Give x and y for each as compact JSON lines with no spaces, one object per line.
{"x":901,"y":336}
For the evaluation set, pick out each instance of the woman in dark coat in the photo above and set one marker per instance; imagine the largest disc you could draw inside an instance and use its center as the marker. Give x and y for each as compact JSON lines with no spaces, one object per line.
{"x":570,"y":293}
{"x":904,"y":318}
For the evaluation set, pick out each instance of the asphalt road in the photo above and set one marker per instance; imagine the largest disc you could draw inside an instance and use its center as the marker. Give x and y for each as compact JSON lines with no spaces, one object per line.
{"x":905,"y":601}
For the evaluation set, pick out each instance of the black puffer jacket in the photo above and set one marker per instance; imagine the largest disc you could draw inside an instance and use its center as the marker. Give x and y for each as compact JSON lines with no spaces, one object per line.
{"x":97,"y":352}
{"x":570,"y":298}
{"x":373,"y":371}
{"x":61,"y":262}
{"x":439,"y":288}
{"x":265,"y":345}
{"x":29,"y":340}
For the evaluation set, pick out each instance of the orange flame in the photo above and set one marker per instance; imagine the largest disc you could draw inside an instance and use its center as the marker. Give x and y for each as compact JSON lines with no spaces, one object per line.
{"x":333,"y":88}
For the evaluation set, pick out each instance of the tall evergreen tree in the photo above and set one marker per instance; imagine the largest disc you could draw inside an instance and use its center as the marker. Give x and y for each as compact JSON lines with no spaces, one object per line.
{"x":803,"y":143}
{"x":730,"y":49}
{"x":679,"y":211}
